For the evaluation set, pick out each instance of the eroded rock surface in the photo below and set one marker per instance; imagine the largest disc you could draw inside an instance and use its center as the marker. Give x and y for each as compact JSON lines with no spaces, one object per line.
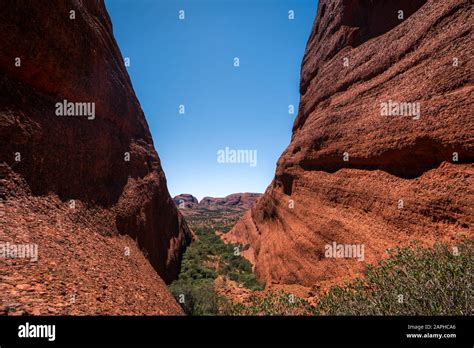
{"x":353,"y":174}
{"x":105,"y":162}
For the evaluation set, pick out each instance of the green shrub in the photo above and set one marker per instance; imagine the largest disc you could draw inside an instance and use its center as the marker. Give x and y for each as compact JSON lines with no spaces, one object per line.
{"x":272,"y":303}
{"x":432,"y":282}
{"x":412,"y":281}
{"x":197,"y":297}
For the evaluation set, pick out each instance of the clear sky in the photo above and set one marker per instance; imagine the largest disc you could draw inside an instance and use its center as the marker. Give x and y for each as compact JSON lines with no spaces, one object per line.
{"x":191,"y":62}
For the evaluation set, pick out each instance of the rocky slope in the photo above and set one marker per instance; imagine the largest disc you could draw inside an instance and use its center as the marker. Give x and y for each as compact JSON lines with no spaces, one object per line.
{"x":79,"y":270}
{"x":355,"y":173}
{"x":99,"y":164}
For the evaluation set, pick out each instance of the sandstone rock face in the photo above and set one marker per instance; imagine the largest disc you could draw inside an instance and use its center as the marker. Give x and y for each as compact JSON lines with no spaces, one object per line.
{"x":106,"y":163}
{"x":78,"y":271}
{"x":355,"y":174}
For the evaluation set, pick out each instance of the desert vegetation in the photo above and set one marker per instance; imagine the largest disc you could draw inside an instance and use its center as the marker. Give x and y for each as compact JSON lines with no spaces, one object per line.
{"x":412,"y":281}
{"x":205,"y":260}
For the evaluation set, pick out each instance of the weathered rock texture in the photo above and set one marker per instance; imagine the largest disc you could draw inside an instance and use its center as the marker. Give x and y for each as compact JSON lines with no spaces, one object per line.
{"x":427,"y":58}
{"x":79,"y":271}
{"x":75,"y":158}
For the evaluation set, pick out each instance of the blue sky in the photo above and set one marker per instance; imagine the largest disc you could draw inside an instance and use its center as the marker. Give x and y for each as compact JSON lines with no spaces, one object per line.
{"x":190,"y":62}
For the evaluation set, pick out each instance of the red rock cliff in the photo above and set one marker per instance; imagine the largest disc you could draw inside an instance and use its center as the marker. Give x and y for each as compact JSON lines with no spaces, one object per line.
{"x":353,"y":174}
{"x":47,"y":57}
